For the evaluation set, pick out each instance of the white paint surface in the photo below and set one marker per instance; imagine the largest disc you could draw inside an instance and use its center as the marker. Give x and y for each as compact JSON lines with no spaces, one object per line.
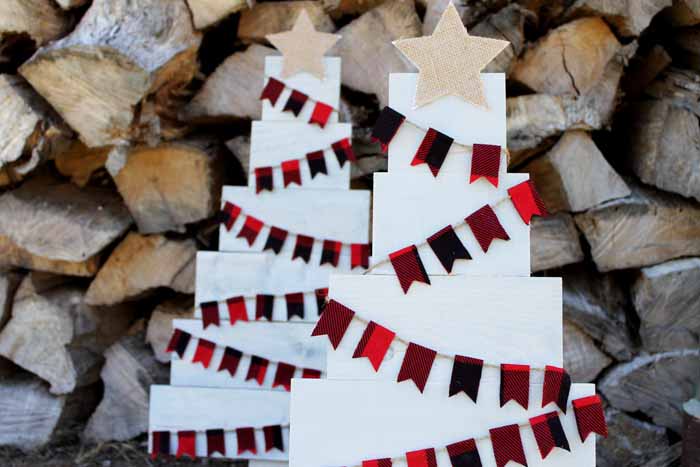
{"x":277,"y":342}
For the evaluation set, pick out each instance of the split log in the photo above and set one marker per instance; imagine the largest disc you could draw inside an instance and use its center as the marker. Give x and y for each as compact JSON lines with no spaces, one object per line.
{"x":233,"y":90}
{"x":628,"y":17}
{"x":570,"y":60}
{"x":643,"y":229}
{"x":684,"y":13}
{"x":160,"y":326}
{"x":141,"y":264}
{"x":41,"y":20}
{"x":339,"y":8}
{"x":684,"y":46}
{"x":121,"y":52}
{"x":68,"y":4}
{"x":274,"y":17}
{"x":53,"y":226}
{"x":129,"y":372}
{"x":208,"y":12}
{"x":582,"y":359}
{"x":656,"y":385}
{"x":470,"y":12}
{"x":240,"y":147}
{"x":667,"y":300}
{"x":366,"y":49}
{"x":508,"y":24}
{"x":150,"y":180}
{"x":56,"y":336}
{"x":630,"y":442}
{"x":80,"y":162}
{"x":554,"y":242}
{"x":8,"y":285}
{"x":691,"y":434}
{"x":643,"y":70}
{"x":597,"y":305}
{"x":574,"y":175}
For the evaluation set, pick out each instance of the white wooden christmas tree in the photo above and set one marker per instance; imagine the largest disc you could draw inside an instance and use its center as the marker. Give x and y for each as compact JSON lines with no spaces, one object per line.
{"x":452,"y":330}
{"x":257,"y":299}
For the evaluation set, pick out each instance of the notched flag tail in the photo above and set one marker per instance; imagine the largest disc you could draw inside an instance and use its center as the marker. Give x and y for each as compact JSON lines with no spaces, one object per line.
{"x":178,"y":342}
{"x":273,"y":438}
{"x":275,"y":241}
{"x":186,"y":444}
{"x":334,"y":322}
{"x":515,"y":384}
{"x":229,"y":214}
{"x":421,"y":458}
{"x":590,"y":417}
{"x":321,"y":295}
{"x":433,"y":150}
{"x":466,"y":376}
{"x":527,"y":201}
{"x":386,"y":126}
{"x":291,"y":173}
{"x":295,"y":305}
{"x":295,"y":102}
{"x":204,"y":352}
{"x":486,"y":162}
{"x":331,"y":252}
{"x":549,"y":433}
{"x":556,"y":388}
{"x":245,"y":438}
{"x":486,"y":227}
{"x":230,"y":361}
{"x":257,"y":369}
{"x":251,"y":229}
{"x":386,"y":462}
{"x":343,"y":151}
{"x":236,"y":310}
{"x":359,"y":255}
{"x":317,"y":163}
{"x":464,"y":454}
{"x":263,"y":179}
{"x":374,"y":344}
{"x":263,"y":306}
{"x":447,"y":247}
{"x":302,"y":248}
{"x":215,"y":442}
{"x":409,"y":267}
{"x":321,"y":114}
{"x":416,"y":365}
{"x":272,"y":91}
{"x":507,"y":445}
{"x":210,"y":313}
{"x":283,"y":376}
{"x":160,"y":444}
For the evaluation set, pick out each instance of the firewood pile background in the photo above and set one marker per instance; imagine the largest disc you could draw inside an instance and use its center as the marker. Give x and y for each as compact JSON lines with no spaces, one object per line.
{"x":121,"y":119}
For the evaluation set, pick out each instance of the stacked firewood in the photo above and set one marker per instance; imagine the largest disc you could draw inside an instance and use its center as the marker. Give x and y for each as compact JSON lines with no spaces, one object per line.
{"x":121,"y":119}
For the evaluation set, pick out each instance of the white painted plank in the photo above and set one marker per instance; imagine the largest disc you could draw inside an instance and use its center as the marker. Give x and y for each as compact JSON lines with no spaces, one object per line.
{"x":340,"y":215}
{"x":224,"y":275}
{"x":383,"y":419}
{"x":254,"y":463}
{"x":272,"y":143}
{"x":277,"y":342}
{"x":411,"y":206}
{"x":498,"y":319}
{"x":178,"y":409}
{"x":466,"y":123}
{"x":326,"y":90}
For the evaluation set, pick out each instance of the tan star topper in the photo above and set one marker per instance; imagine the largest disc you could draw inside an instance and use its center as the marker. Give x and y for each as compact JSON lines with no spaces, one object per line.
{"x":303,"y":47}
{"x":450,"y":60}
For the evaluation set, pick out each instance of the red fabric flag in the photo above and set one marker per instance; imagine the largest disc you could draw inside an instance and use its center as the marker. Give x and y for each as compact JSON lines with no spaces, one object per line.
{"x":283,"y":376}
{"x":275,"y":240}
{"x":486,"y":161}
{"x":160,"y":444}
{"x":374,"y":344}
{"x":204,"y":352}
{"x":409,"y":267}
{"x":321,"y":114}
{"x":333,"y":323}
{"x":377,"y":463}
{"x":273,"y":438}
{"x":229,"y":214}
{"x":421,"y":458}
{"x":557,"y":384}
{"x":549,"y":433}
{"x":246,"y":440}
{"x":416,"y":365}
{"x":331,"y":252}
{"x":291,"y":173}
{"x":590,"y":417}
{"x":272,"y":90}
{"x":527,"y":201}
{"x":433,"y":150}
{"x":178,"y":342}
{"x":302,"y":248}
{"x":464,"y":454}
{"x":215,"y":442}
{"x":295,"y":305}
{"x":186,"y":444}
{"x":251,"y":229}
{"x":295,"y":102}
{"x":210,"y":313}
{"x":310,"y":373}
{"x":236,"y":310}
{"x":264,"y":305}
{"x":515,"y":384}
{"x":486,"y":227}
{"x":359,"y":255}
{"x":263,"y":179}
{"x":257,"y":369}
{"x":230,"y":361}
{"x":343,"y":151}
{"x":507,"y":445}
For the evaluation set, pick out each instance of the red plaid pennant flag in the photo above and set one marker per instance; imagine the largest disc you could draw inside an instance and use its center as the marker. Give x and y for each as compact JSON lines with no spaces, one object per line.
{"x":275,"y":241}
{"x":590,"y":417}
{"x":433,"y":150}
{"x":515,"y":384}
{"x":549,"y":433}
{"x":374,"y":344}
{"x":527,"y":201}
{"x":317,"y":163}
{"x":386,"y":127}
{"x":160,"y":444}
{"x":283,"y":376}
{"x":236,"y":310}
{"x":556,"y":388}
{"x":377,"y":463}
{"x":333,"y":323}
{"x":421,"y":458}
{"x":178,"y":342}
{"x":486,"y":227}
{"x":416,"y":365}
{"x":264,"y":305}
{"x":186,"y":444}
{"x":273,"y":438}
{"x":257,"y":369}
{"x":215,"y":442}
{"x":343,"y":151}
{"x":447,"y":247}
{"x":246,"y":440}
{"x":210,"y":314}
{"x":263,"y":179}
{"x":486,"y":162}
{"x":295,"y":305}
{"x":251,"y":229}
{"x":229,"y":214}
{"x":204,"y":352}
{"x":464,"y":454}
{"x":359,"y":255}
{"x":507,"y":445}
{"x":331,"y":252}
{"x":291,"y":173}
{"x":272,"y":90}
{"x":302,"y":248}
{"x":295,"y":102}
{"x":409,"y":267}
{"x":321,"y":114}
{"x":310,"y":373}
{"x":230,"y":361}
{"x":466,"y":376}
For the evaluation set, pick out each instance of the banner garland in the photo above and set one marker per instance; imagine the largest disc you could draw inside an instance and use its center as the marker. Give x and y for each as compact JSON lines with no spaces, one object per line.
{"x":359,"y":252}
{"x":296,"y":101}
{"x":447,"y":247}
{"x":418,"y":362}
{"x":291,"y":168}
{"x":486,"y":158}
{"x":216,"y":441}
{"x":231,"y":359}
{"x":506,"y":441}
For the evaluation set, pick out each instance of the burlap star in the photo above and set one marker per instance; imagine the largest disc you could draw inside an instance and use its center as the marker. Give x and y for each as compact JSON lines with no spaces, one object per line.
{"x":450,"y":60}
{"x":303,"y":47}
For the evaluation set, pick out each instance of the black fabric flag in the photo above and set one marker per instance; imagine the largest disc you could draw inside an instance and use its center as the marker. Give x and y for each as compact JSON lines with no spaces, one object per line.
{"x":447,"y":247}
{"x":386,"y":126}
{"x":317,"y":163}
{"x":466,"y":376}
{"x":275,"y":240}
{"x":433,"y":150}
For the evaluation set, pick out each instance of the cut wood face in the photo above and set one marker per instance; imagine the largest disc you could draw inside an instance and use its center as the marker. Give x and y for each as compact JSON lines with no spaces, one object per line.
{"x":384,"y":419}
{"x":411,"y":206}
{"x":276,"y":342}
{"x":272,"y":143}
{"x":326,"y":90}
{"x":177,"y":409}
{"x":500,"y":320}
{"x":225,"y":275}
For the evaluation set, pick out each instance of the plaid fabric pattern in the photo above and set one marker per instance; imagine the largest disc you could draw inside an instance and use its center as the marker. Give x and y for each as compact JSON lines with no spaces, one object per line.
{"x":333,"y":323}
{"x":236,"y":310}
{"x":178,"y":342}
{"x":251,"y":229}
{"x":507,"y":445}
{"x":272,"y":91}
{"x":302,"y":248}
{"x":549,"y":433}
{"x":310,"y":373}
{"x":295,"y":305}
{"x":447,"y":247}
{"x":204,"y":352}
{"x":245,"y":438}
{"x":466,"y":376}
{"x":186,"y":444}
{"x":291,"y":173}
{"x":527,"y":201}
{"x":257,"y":369}
{"x":590,"y":417}
{"x":416,"y":365}
{"x":230,"y":361}
{"x":263,"y":306}
{"x":160,"y":444}
{"x":409,"y":267}
{"x":486,"y":161}
{"x":275,"y":241}
{"x":486,"y":227}
{"x":215,"y":442}
{"x":283,"y":376}
{"x":515,"y":384}
{"x":229,"y":214}
{"x":331,"y":252}
{"x":433,"y":150}
{"x":464,"y":454}
{"x":317,"y":163}
{"x":421,"y":458}
{"x":386,"y":126}
{"x":374,"y":344}
{"x":295,"y":102}
{"x":343,"y":151}
{"x":321,"y":114}
{"x":263,"y":179}
{"x":556,"y":388}
{"x":359,"y":255}
{"x":377,"y":463}
{"x":273,"y":438}
{"x":210,"y":314}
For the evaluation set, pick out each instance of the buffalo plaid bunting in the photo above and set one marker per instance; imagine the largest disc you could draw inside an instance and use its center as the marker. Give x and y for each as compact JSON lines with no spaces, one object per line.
{"x":310,"y":373}
{"x":317,"y":163}
{"x":321,"y":295}
{"x":486,"y":227}
{"x":433,"y":150}
{"x":160,"y":444}
{"x":549,"y":433}
{"x":464,"y":454}
{"x":302,"y":248}
{"x":236,"y":310}
{"x":186,"y":444}
{"x":295,"y":305}
{"x":321,"y":114}
{"x":377,"y":463}
{"x":333,"y":323}
{"x":409,"y":267}
{"x":557,"y":384}
{"x":386,"y":126}
{"x":466,"y":376}
{"x":283,"y":376}
{"x":486,"y":161}
{"x":257,"y":369}
{"x":331,"y":252}
{"x":215,"y":442}
{"x":263,"y":179}
{"x":590,"y":417}
{"x":515,"y":384}
{"x":416,"y":366}
{"x":291,"y":173}
{"x":343,"y":151}
{"x":527,"y":201}
{"x":273,"y":438}
{"x":295,"y":102}
{"x":245,"y":438}
{"x":230,"y":361}
{"x":507,"y":445}
{"x":204,"y":352}
{"x":210,"y":314}
{"x":374,"y":344}
{"x":272,"y":90}
{"x":251,"y":229}
{"x":178,"y":342}
{"x":275,"y":241}
{"x":229,"y":214}
{"x":263,"y":306}
{"x":421,"y":458}
{"x":359,"y":255}
{"x":447,"y":247}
